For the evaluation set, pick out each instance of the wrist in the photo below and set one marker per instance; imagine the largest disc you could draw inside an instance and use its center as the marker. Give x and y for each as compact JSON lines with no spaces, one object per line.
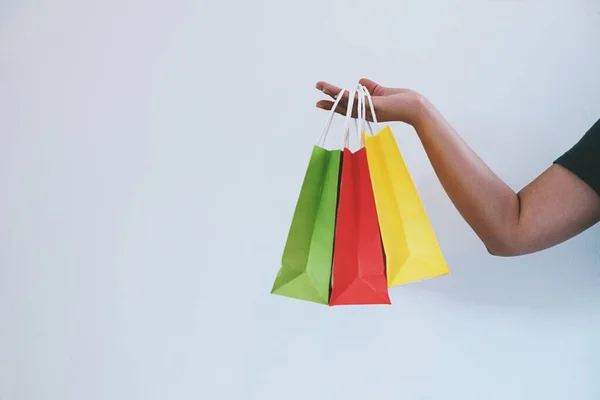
{"x":423,"y":109}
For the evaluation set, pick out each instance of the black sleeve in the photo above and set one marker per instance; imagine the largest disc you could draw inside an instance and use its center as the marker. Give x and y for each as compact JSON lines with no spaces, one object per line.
{"x":583,"y":159}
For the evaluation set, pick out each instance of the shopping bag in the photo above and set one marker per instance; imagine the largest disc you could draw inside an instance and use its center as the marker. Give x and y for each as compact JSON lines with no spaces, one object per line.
{"x":305,"y":271}
{"x":411,"y":247}
{"x":358,"y":257}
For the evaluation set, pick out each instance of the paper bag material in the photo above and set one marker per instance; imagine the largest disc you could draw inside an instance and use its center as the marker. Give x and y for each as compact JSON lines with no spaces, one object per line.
{"x":411,"y":247}
{"x":306,"y":264}
{"x":358,"y":258}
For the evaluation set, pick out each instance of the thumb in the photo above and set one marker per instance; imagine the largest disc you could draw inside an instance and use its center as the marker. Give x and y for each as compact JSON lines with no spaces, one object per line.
{"x":373,"y":87}
{"x":377,"y":90}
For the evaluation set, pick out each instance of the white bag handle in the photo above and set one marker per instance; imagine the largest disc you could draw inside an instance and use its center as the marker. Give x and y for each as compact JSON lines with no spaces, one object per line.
{"x":361,"y":116}
{"x":360,"y":108}
{"x":371,"y":106}
{"x":321,"y":141}
{"x":360,"y":123}
{"x":365,"y":92}
{"x":348,"y":117}
{"x":363,"y":96}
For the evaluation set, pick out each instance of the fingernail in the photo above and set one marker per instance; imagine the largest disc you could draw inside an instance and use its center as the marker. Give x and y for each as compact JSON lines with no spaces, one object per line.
{"x":319,"y":86}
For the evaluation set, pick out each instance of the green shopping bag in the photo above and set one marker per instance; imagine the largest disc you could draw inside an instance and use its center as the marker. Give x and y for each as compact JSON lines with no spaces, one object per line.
{"x":305,"y":271}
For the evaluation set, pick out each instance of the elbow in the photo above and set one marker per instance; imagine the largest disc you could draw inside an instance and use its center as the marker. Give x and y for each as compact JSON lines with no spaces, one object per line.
{"x":500,"y":251}
{"x":501,"y":247}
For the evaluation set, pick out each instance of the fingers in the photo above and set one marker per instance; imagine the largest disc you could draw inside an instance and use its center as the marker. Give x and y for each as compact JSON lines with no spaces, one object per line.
{"x":332,"y":90}
{"x":324,"y":104}
{"x":341,"y":109}
{"x":374,"y":89}
{"x":328,"y":88}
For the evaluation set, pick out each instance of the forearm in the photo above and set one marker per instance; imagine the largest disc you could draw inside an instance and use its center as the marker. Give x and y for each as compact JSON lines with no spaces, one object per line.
{"x":487,"y":204}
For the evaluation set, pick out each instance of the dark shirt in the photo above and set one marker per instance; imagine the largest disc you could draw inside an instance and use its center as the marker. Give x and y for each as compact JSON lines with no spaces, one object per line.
{"x":583,"y":159}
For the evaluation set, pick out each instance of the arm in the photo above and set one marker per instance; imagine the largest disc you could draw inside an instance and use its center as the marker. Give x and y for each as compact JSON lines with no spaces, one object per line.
{"x":554,"y":207}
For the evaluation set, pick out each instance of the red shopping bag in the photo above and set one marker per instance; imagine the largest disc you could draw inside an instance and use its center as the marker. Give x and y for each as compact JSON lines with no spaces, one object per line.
{"x":358,"y":275}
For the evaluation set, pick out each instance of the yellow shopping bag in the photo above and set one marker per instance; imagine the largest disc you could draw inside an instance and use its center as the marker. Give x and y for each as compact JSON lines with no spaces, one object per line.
{"x":411,"y":247}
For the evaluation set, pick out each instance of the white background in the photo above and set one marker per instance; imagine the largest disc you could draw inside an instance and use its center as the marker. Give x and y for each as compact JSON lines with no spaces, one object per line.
{"x":151,"y":154}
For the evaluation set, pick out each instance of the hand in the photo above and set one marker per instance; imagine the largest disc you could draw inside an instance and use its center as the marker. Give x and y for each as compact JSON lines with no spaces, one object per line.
{"x":390,"y":104}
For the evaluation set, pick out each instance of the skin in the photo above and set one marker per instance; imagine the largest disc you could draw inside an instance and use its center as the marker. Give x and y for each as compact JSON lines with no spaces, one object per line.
{"x":508,"y":223}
